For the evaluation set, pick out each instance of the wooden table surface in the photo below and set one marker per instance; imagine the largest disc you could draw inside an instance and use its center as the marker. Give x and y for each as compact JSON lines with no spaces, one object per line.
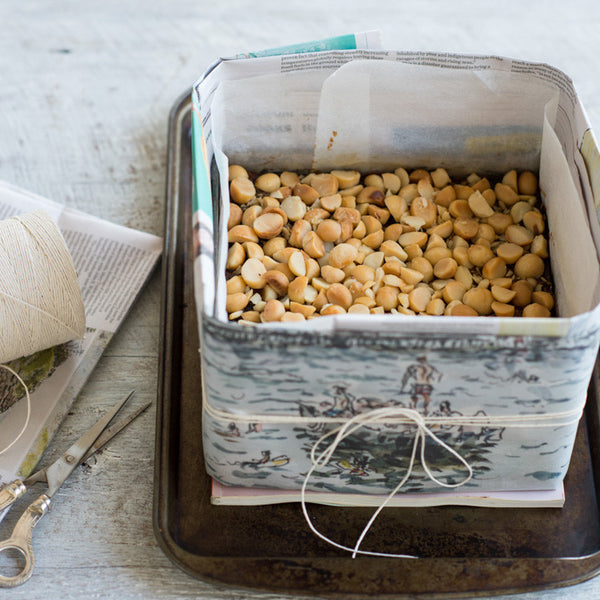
{"x":86,"y":88}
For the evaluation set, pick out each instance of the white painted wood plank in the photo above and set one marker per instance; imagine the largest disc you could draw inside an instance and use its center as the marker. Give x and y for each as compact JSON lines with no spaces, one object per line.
{"x":86,"y":88}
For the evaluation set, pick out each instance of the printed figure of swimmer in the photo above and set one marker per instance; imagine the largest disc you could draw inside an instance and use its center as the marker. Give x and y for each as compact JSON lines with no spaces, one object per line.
{"x":341,"y":405}
{"x":422,"y":375}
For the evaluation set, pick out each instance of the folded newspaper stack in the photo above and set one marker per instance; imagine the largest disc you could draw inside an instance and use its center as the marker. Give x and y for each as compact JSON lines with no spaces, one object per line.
{"x":112,"y":263}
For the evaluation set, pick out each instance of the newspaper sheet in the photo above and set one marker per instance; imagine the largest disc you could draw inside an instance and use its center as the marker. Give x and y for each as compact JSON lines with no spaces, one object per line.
{"x":112,"y":263}
{"x":371,"y":109}
{"x":223,"y":495}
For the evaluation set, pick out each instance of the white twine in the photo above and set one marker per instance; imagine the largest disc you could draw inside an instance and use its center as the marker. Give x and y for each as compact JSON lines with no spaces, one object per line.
{"x":393,"y":415}
{"x":348,"y":429}
{"x":40,"y":300}
{"x":556,"y":419}
{"x":27,"y":417}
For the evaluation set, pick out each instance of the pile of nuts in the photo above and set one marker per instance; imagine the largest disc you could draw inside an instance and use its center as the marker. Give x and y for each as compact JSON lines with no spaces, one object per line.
{"x":412,"y":243}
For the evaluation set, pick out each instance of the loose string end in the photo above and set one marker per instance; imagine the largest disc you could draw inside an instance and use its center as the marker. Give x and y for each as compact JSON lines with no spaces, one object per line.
{"x":27,"y":418}
{"x":347,"y":429}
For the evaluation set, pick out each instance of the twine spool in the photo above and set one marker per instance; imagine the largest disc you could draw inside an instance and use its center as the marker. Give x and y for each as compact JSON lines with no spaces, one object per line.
{"x":40,"y":300}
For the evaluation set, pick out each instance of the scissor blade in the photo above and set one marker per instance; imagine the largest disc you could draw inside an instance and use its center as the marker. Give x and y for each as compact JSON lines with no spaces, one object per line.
{"x":105,"y":437}
{"x":58,"y":472}
{"x":109,"y":434}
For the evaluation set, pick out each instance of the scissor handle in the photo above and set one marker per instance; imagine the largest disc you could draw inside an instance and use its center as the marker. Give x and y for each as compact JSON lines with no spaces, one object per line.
{"x":20,"y":540}
{"x":11,"y":492}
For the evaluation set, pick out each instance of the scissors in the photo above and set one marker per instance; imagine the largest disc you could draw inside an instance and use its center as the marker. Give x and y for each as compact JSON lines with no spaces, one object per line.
{"x":54,"y":475}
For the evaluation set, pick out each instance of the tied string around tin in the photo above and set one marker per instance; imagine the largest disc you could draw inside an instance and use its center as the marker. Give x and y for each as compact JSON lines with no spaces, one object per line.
{"x":40,"y":299}
{"x":347,"y":429}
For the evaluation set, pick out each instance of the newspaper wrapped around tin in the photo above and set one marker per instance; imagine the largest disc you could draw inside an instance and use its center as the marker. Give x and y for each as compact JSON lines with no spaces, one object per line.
{"x":486,"y":403}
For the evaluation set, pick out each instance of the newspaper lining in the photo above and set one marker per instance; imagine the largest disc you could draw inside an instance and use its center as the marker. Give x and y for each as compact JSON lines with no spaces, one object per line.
{"x":287,"y":108}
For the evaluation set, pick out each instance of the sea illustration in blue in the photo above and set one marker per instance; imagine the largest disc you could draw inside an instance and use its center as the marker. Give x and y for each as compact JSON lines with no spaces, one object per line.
{"x":508,"y":405}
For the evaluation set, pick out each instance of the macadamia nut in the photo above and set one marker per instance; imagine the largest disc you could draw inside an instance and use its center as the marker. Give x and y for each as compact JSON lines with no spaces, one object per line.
{"x":417,"y":242}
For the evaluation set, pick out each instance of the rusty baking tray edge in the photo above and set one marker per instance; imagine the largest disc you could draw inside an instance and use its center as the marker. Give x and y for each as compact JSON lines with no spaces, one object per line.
{"x":325,"y":576}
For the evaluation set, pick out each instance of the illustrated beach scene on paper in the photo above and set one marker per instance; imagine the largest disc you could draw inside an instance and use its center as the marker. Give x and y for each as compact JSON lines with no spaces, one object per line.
{"x":510,"y":412}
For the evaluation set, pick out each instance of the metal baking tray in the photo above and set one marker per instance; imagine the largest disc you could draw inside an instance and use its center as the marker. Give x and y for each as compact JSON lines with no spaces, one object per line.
{"x":465,"y":551}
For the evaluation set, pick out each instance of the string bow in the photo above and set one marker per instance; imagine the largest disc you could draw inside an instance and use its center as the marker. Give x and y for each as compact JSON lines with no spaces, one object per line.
{"x":388,"y":415}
